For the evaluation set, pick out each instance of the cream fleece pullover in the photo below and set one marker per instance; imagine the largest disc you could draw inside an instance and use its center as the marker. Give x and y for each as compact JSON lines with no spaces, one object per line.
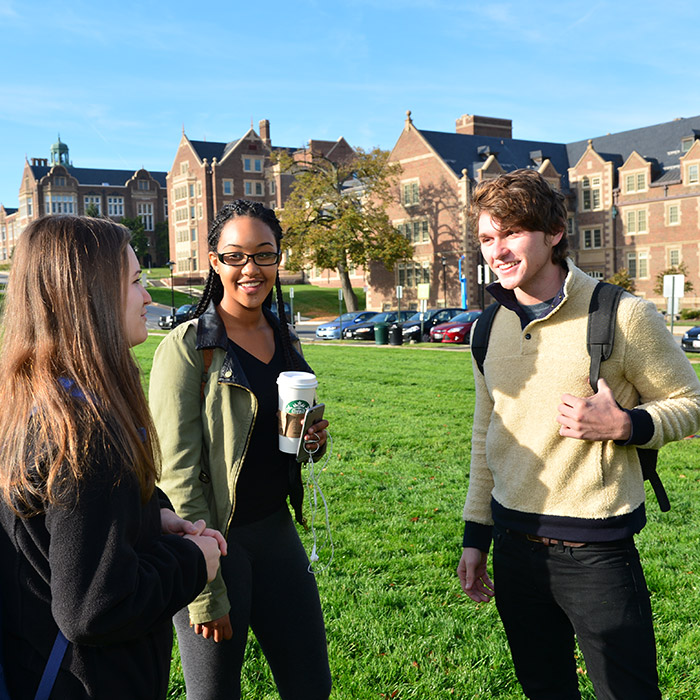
{"x":519,"y":460}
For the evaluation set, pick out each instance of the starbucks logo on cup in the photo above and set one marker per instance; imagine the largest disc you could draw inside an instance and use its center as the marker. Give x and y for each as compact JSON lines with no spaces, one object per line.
{"x":297,"y":406}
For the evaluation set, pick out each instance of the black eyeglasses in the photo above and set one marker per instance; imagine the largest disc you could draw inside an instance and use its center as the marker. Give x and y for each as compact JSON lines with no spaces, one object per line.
{"x":236,"y":259}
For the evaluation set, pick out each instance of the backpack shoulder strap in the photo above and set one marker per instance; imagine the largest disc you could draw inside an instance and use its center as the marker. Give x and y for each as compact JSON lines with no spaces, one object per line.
{"x":482,"y":331}
{"x":602,"y":313}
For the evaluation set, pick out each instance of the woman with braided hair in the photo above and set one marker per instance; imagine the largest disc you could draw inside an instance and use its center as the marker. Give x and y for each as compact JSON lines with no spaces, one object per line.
{"x":213,"y":395}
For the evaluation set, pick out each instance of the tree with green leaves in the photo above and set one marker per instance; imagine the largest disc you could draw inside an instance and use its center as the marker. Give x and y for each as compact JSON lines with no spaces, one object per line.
{"x":139,"y":238}
{"x":335,"y":217}
{"x":622,"y":279}
{"x":680,"y":269}
{"x":93,"y":210}
{"x":162,"y":254}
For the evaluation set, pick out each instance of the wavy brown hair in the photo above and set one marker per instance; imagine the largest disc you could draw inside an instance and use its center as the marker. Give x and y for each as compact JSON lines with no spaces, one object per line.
{"x":66,"y":366}
{"x":522,"y":199}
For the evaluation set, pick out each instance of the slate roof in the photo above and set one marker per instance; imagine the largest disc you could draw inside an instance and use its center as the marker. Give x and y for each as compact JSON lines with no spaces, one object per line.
{"x":10,"y":210}
{"x":213,"y":149}
{"x":99,"y":176}
{"x":466,"y":151}
{"x":661,"y":142}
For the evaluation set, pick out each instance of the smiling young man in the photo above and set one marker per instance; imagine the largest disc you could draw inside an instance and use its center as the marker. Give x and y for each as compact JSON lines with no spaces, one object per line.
{"x":555,"y":480}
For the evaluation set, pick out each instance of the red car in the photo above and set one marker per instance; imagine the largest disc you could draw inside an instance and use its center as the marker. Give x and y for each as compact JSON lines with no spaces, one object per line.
{"x":456,"y":330}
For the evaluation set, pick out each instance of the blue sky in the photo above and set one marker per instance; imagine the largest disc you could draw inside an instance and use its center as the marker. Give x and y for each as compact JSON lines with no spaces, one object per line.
{"x":119,"y":80}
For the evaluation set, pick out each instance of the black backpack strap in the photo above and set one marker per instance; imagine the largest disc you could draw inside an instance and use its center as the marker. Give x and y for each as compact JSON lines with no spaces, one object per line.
{"x":647,"y":459}
{"x":602,"y":314}
{"x":482,"y":331}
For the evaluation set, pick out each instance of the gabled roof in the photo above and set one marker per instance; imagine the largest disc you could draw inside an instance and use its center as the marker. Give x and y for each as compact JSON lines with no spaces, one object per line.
{"x":98,"y":176}
{"x":208,"y":149}
{"x":468,"y":152}
{"x":660,"y":143}
{"x":10,"y":210}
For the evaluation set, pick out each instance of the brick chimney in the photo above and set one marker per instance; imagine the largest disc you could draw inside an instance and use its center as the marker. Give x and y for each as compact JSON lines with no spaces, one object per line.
{"x":264,"y":129}
{"x":485,"y":126}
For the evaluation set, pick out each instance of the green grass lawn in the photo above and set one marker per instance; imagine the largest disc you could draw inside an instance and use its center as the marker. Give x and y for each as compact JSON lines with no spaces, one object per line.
{"x":309,"y":301}
{"x":315,"y":302}
{"x":161,"y":295}
{"x":398,"y":624}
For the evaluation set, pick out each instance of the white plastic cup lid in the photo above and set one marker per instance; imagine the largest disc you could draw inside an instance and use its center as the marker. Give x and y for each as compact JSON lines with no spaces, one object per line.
{"x":297,"y":380}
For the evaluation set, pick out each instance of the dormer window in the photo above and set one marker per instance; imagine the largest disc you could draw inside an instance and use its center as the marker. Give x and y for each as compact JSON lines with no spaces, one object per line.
{"x":635,"y":182}
{"x":536,"y":157}
{"x":686,"y":144}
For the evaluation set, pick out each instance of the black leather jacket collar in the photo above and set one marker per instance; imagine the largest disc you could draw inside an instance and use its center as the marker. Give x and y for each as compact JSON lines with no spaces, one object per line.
{"x":211,"y":333}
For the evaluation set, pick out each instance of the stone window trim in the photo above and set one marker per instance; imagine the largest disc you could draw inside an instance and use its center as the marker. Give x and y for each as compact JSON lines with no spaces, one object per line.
{"x":635,"y":181}
{"x":252,"y":165}
{"x":591,"y":193}
{"x":672,"y":213}
{"x":592,"y":238}
{"x":638,"y":264}
{"x":254,"y":188}
{"x":410,"y":192}
{"x":636,"y":221}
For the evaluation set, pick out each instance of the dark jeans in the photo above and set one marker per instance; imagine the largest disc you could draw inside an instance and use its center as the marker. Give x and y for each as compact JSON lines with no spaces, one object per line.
{"x":547,"y":594}
{"x":271,"y":592}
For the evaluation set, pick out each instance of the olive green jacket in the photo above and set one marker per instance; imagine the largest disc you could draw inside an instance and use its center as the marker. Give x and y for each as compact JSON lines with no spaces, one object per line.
{"x":204,"y":423}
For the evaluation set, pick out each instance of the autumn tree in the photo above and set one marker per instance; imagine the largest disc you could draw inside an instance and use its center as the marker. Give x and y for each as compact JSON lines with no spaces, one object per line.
{"x":335,"y":217}
{"x":681,"y":269}
{"x":622,"y":279}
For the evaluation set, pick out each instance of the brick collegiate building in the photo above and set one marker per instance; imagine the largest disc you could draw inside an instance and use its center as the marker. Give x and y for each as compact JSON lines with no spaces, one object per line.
{"x":54,"y":186}
{"x":205,"y":175}
{"x":633,"y":198}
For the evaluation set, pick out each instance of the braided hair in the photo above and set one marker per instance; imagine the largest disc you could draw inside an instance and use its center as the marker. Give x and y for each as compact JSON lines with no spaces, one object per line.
{"x":214,"y":289}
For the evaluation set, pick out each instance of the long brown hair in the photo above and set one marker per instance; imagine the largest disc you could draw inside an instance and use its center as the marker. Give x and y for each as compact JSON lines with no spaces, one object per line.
{"x":68,"y":375}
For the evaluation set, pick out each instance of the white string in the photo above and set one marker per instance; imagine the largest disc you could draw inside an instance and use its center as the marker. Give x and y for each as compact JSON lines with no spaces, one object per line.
{"x":312,"y":483}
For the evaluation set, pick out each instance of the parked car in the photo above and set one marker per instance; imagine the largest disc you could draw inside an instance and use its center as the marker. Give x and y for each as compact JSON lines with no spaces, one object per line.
{"x":691,"y":340}
{"x":365,"y":331}
{"x":456,"y":330}
{"x":331,"y":330}
{"x":287,"y":310}
{"x":181,"y":315}
{"x":431,"y":317}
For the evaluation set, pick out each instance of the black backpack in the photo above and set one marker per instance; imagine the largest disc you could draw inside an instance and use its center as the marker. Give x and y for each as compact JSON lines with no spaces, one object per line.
{"x":602,"y":313}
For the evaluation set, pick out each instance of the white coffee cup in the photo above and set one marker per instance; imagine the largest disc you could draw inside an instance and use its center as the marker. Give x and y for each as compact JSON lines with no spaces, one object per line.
{"x":297,"y":392}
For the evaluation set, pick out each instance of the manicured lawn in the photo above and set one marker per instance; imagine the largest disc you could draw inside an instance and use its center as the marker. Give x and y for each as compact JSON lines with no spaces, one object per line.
{"x":161,"y":295}
{"x":315,"y":302}
{"x":398,"y":625}
{"x":309,"y":301}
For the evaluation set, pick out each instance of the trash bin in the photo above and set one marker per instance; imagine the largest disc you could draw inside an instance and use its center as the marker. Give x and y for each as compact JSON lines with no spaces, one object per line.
{"x":396,"y":335}
{"x":381,"y":333}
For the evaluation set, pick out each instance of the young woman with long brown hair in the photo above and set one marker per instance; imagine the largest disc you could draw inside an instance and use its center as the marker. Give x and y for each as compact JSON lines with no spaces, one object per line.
{"x":217,"y":423}
{"x":88,"y":543}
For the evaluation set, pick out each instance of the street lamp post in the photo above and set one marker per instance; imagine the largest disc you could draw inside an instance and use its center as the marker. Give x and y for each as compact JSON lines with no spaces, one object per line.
{"x":444,"y":278}
{"x":170,"y":265}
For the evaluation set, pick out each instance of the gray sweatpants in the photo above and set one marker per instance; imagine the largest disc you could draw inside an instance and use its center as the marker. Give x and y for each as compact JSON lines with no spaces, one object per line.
{"x":271,"y":592}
